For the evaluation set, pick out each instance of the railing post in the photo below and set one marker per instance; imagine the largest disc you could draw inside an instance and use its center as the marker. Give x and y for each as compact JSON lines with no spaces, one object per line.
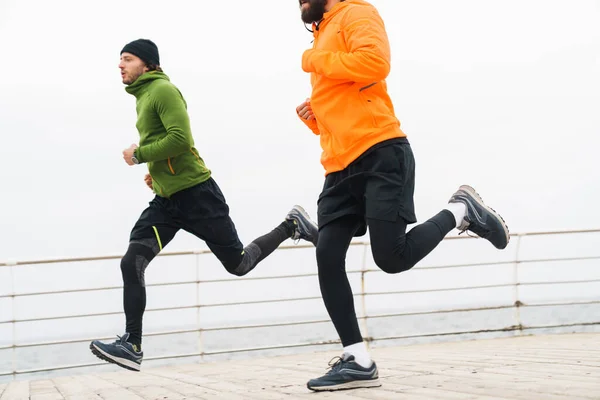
{"x":13,"y":300}
{"x":516,"y":281}
{"x":363,"y":271}
{"x":198,"y":308}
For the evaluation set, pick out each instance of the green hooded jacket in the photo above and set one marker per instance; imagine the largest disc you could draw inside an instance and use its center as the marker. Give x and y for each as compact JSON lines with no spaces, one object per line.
{"x":166,"y":142}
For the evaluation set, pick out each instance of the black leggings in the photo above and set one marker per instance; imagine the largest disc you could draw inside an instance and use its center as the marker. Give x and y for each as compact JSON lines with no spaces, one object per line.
{"x":201,"y":211}
{"x":394,"y":251}
{"x":141,"y":252}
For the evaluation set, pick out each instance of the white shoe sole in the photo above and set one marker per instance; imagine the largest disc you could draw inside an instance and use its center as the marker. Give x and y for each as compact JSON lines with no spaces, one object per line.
{"x":348,"y":385}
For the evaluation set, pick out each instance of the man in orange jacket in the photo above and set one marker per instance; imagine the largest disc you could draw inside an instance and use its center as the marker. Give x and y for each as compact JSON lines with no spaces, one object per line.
{"x":370,"y":173}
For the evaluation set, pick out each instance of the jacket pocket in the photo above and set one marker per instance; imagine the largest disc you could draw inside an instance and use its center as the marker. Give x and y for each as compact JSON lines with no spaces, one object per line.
{"x":378,"y":104}
{"x":368,"y":109}
{"x":170,"y":166}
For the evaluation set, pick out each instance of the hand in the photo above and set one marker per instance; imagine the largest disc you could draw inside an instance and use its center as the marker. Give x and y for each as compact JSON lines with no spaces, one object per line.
{"x":148,"y":180}
{"x":128,"y":153}
{"x":305,"y":111}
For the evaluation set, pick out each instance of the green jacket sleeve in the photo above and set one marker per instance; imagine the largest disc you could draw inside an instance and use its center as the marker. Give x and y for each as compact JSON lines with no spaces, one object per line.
{"x":172,"y":110}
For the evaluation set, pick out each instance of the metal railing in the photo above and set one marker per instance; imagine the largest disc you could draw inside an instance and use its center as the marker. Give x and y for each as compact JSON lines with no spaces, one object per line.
{"x":362,"y":294}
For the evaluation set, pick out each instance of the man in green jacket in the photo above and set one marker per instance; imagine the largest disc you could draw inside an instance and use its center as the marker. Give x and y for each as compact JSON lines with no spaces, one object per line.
{"x":187,"y":198}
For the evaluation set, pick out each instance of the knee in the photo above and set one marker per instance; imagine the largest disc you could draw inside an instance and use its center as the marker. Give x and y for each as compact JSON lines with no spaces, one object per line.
{"x":241,"y":263}
{"x":238,"y":265}
{"x":128,"y":268}
{"x":135,"y":261}
{"x":235,"y":269}
{"x":321,"y":254}
{"x":324,"y":257}
{"x":329,"y":261}
{"x":389,"y":262}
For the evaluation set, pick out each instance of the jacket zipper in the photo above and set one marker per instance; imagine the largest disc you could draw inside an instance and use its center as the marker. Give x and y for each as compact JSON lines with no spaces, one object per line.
{"x":368,"y":86}
{"x":170,"y":166}
{"x":196,"y":155}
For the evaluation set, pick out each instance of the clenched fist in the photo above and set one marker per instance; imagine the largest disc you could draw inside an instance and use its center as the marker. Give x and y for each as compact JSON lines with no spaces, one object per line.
{"x":128,"y":154}
{"x":305,"y":111}
{"x":148,"y":180}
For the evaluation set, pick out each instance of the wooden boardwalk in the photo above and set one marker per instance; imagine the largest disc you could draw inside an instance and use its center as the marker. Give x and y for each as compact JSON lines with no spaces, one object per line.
{"x":528,"y":368}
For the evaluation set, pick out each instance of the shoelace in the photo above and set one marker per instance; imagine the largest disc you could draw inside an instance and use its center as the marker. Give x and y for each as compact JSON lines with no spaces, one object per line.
{"x":335,"y":364}
{"x":296,"y":237}
{"x":121,"y":341}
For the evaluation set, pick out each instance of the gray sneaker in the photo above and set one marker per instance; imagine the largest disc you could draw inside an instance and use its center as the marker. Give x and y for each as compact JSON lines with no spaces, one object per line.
{"x":120,"y":352}
{"x":345,"y":373}
{"x":305,"y":228}
{"x":481,"y":219}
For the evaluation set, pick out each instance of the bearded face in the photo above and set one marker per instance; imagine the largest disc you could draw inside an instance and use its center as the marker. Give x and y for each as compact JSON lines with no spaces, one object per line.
{"x":312,"y":10}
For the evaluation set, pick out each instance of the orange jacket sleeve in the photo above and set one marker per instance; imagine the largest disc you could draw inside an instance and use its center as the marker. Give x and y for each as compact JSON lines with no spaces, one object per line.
{"x":312,"y":125}
{"x":368,"y":56}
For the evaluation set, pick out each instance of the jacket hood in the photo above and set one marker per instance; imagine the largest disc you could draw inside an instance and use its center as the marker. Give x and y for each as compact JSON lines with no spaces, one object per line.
{"x":140,"y":83}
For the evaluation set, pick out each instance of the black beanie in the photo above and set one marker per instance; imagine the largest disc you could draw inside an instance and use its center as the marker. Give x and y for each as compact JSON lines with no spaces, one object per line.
{"x":145,"y":49}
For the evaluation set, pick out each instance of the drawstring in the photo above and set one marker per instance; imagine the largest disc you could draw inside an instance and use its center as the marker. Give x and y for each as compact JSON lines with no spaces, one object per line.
{"x":317,"y":24}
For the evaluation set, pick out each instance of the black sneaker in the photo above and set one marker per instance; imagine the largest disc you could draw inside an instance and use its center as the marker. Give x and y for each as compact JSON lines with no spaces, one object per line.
{"x":481,"y":219}
{"x":305,"y":228}
{"x":121,"y":352}
{"x":345,"y":373}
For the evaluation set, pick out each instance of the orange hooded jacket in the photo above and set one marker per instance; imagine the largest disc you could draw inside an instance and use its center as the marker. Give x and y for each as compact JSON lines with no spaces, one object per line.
{"x":349,"y":63}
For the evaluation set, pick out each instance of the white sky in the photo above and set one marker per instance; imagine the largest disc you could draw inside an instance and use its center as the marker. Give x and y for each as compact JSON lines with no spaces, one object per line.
{"x":504,"y":96}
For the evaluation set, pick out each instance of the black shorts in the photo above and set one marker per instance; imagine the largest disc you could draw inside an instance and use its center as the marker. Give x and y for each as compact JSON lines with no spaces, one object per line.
{"x":378,"y":185}
{"x":200,"y":210}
